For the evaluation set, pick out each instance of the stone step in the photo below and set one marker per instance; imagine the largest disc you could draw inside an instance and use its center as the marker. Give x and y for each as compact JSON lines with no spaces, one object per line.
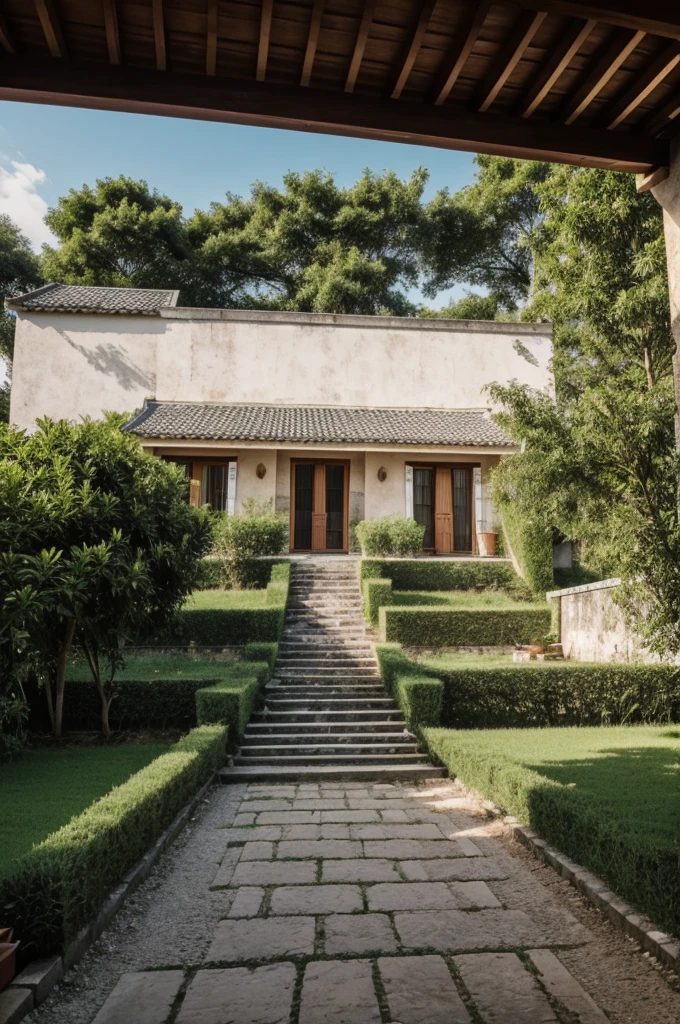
{"x":324,"y":646}
{"x":300,"y":716}
{"x":342,"y":758}
{"x":320,"y":673}
{"x":330,"y":773}
{"x":295,"y":726}
{"x":321,"y":692}
{"x":337,"y":660}
{"x":319,"y":741}
{"x":328,"y":703}
{"x":303,"y":751}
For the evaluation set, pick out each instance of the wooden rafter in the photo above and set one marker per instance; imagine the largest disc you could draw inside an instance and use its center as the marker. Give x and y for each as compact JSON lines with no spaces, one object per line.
{"x":407,"y":57}
{"x":112,"y":33}
{"x":465,"y":39}
{"x":360,"y":44}
{"x":664,"y":117}
{"x":263,"y":45}
{"x":620,"y":48}
{"x":211,"y":37}
{"x":653,"y":17}
{"x":104,"y":87}
{"x":524,"y":31}
{"x":643,"y":86}
{"x":5,"y":37}
{"x":51,"y":27}
{"x":312,"y":41}
{"x":569,"y":46}
{"x":159,"y":35}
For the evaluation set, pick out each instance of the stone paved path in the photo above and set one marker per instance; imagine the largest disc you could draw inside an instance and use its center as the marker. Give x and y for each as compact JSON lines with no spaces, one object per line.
{"x":347,"y":904}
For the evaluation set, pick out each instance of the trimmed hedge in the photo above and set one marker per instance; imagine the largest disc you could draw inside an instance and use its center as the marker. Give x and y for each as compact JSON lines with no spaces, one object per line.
{"x":377,"y":594}
{"x":60,"y":885}
{"x":417,"y":574}
{"x":419,"y":696}
{"x":210,"y":574}
{"x":532,"y":546}
{"x":522,"y":696}
{"x":139,"y":703}
{"x":262,"y":652}
{"x":646,"y":873}
{"x":231,"y":701}
{"x":462,"y":627}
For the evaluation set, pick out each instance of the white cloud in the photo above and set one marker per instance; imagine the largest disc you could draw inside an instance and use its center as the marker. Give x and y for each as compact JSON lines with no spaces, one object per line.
{"x":21,"y":200}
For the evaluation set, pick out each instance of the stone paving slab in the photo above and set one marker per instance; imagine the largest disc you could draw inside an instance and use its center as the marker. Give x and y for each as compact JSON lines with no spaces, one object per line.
{"x":239,"y":995}
{"x":334,"y":849}
{"x":358,"y":933}
{"x":418,"y":849}
{"x":145,"y":997}
{"x":359,"y":871}
{"x":262,"y":939}
{"x":264,"y":872}
{"x":515,"y":996}
{"x":557,"y":980}
{"x":456,"y":929}
{"x":421,"y":988}
{"x":317,"y":899}
{"x":339,"y":992}
{"x":473,"y":868}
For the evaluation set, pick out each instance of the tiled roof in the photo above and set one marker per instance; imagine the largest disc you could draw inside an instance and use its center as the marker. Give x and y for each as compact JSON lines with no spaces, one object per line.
{"x":76,"y":298}
{"x":204,"y":421}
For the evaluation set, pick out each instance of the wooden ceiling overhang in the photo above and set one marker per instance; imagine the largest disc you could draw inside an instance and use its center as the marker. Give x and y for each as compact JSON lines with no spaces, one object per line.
{"x":589,"y":83}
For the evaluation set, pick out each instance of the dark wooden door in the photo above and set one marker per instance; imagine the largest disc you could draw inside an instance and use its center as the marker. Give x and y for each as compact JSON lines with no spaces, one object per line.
{"x":423,"y":502}
{"x":320,"y":506}
{"x":303,"y":506}
{"x":335,"y":507}
{"x":462,"y":509}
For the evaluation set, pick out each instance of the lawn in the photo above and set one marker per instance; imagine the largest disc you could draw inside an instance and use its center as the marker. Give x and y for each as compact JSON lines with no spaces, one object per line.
{"x":211,"y":600}
{"x":160,"y":666}
{"x":44,"y":789}
{"x":452,"y":662}
{"x":607,"y":796}
{"x":472,"y":599}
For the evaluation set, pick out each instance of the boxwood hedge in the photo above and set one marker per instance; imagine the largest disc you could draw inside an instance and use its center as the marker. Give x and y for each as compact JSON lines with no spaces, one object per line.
{"x":419,"y":574}
{"x":462,"y":627}
{"x":376,"y":593}
{"x":231,"y":701}
{"x":59,"y":886}
{"x":418,"y":695}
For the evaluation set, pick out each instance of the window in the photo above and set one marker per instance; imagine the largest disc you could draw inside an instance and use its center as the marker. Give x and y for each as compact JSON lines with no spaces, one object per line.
{"x":215,"y":487}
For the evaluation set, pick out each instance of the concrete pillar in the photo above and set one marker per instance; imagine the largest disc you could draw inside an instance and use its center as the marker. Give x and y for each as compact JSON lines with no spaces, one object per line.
{"x":668,"y":194}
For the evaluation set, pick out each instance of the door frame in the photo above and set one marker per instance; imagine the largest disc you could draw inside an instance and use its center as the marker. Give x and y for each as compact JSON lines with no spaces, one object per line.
{"x":345,"y":510}
{"x":451,"y":466}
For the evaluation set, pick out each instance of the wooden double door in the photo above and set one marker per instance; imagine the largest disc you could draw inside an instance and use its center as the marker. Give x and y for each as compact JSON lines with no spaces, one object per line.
{"x":320,"y":504}
{"x":442,"y":503}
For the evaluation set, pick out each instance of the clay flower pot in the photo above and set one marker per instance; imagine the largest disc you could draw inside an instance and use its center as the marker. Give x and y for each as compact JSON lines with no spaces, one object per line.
{"x":486,"y":542}
{"x":8,"y":962}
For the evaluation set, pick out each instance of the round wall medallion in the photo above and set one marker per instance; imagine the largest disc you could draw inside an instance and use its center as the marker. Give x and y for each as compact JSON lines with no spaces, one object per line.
{"x":382,"y":474}
{"x":261,"y":470}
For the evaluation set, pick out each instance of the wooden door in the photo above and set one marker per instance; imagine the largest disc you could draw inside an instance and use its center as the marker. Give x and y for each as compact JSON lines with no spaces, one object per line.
{"x":462,"y":509}
{"x":423,"y":502}
{"x":319,"y":516}
{"x":320,"y":506}
{"x":443,"y":511}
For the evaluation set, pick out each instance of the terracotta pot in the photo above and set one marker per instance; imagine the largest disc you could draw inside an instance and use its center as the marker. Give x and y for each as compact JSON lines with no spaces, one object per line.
{"x":8,"y":962}
{"x":486,"y":542}
{"x":6,"y":934}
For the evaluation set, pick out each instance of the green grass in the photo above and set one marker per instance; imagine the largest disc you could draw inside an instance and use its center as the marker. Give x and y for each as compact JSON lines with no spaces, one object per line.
{"x":451,"y":662}
{"x":210,"y":600}
{"x":161,"y":666}
{"x":630,"y":772}
{"x":462,"y":599}
{"x":44,"y":789}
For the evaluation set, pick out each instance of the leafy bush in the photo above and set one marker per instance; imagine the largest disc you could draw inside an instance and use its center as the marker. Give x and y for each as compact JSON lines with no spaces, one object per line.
{"x":139,"y":704}
{"x":645,"y":871}
{"x":242,"y":538}
{"x":60,"y":885}
{"x":231,"y":701}
{"x":429,"y":626}
{"x":521,"y":696}
{"x":392,"y":535}
{"x":418,"y":695}
{"x":209,"y":574}
{"x":531,"y":544}
{"x":420,"y":574}
{"x":376,"y":593}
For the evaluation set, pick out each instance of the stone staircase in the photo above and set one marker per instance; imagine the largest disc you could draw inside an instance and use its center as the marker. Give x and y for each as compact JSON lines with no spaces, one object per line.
{"x":326,"y":711}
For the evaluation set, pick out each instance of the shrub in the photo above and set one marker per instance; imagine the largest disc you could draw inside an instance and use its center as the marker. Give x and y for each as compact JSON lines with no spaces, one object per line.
{"x":647,"y":873}
{"x":377,"y":593}
{"x":531,"y":544}
{"x":557,"y":694}
{"x":418,"y":695}
{"x":428,"y":626}
{"x":139,"y":703}
{"x":419,"y":574}
{"x":262,"y":652}
{"x":60,"y":885}
{"x":241,"y":539}
{"x":231,"y":701}
{"x":392,"y":535}
{"x":209,"y":574}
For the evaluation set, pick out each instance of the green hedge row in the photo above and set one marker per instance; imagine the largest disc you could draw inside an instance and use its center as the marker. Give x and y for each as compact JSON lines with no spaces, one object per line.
{"x":377,"y":593}
{"x":417,"y":574}
{"x":532,"y":546}
{"x":60,"y":885}
{"x":210,"y":574}
{"x":646,"y":873}
{"x":557,"y":694}
{"x":232,"y":700}
{"x":257,"y":573}
{"x":419,"y":696}
{"x":462,"y":627}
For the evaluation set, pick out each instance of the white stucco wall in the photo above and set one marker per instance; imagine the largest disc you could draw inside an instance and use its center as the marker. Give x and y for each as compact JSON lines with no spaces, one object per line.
{"x":71,"y":365}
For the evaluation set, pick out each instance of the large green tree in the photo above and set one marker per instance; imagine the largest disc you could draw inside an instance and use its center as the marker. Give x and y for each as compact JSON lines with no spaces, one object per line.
{"x":19,"y":272}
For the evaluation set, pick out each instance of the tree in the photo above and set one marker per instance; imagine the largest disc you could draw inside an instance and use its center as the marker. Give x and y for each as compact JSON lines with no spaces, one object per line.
{"x":19,"y":272}
{"x":105,"y":540}
{"x":599,"y":461}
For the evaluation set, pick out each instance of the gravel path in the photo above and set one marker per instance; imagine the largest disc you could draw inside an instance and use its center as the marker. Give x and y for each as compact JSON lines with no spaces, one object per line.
{"x":345,"y":904}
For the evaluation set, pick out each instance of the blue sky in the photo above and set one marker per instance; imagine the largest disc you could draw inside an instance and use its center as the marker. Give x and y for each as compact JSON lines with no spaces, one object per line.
{"x":44,"y":151}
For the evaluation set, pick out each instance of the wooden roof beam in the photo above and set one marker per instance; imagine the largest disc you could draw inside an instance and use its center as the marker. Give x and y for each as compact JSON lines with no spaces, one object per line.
{"x":360,"y":44}
{"x":112,"y":33}
{"x":524,"y":31}
{"x":653,"y":17}
{"x":619,"y":49}
{"x":159,"y":35}
{"x":5,"y":38}
{"x":407,"y":57}
{"x":312,"y":41}
{"x":103,"y":87}
{"x":569,"y":46}
{"x":664,"y":117}
{"x":49,"y":20}
{"x":459,"y":51}
{"x":263,"y":45}
{"x":211,"y":37}
{"x":643,"y":86}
